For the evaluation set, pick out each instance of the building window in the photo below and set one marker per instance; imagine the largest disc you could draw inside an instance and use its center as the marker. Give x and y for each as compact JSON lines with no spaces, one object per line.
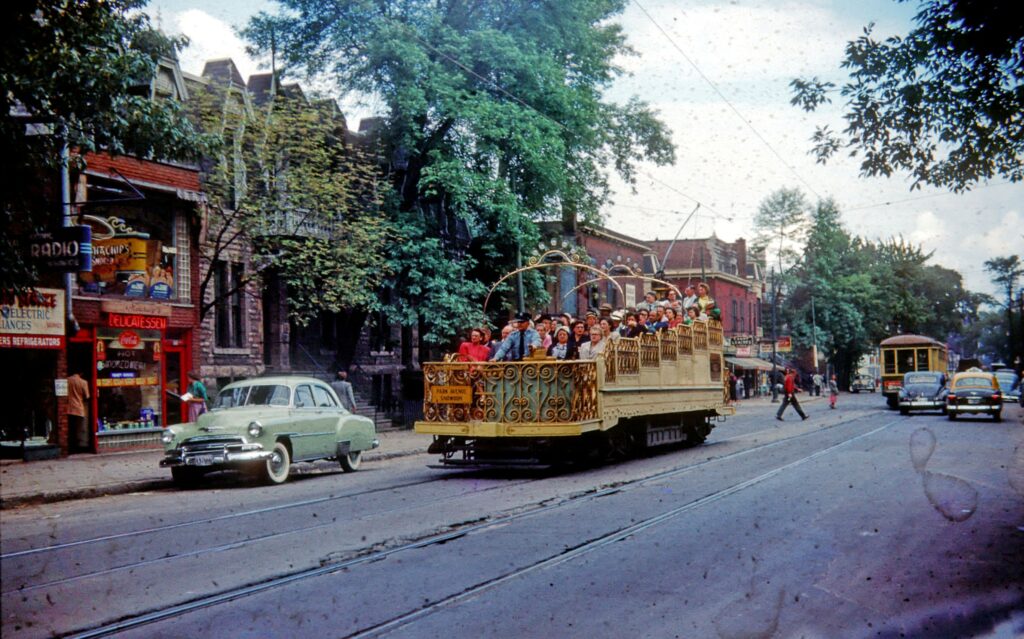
{"x":228,"y":308}
{"x":735,"y":317}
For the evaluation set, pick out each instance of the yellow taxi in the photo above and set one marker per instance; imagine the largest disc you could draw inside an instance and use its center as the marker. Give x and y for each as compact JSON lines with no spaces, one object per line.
{"x":974,"y":391}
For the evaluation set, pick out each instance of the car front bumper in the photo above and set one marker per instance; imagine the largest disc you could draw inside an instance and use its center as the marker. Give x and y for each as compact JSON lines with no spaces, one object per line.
{"x":225,"y":457}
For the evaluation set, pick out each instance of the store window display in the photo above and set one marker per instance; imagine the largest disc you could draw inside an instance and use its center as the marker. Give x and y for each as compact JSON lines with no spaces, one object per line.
{"x":128,"y":383}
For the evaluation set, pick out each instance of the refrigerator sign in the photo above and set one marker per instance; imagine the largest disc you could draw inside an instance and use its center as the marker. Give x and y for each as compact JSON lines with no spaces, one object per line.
{"x":32,"y":319}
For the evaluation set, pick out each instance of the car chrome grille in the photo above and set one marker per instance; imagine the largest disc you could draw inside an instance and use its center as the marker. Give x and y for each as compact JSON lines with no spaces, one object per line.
{"x":210,"y":444}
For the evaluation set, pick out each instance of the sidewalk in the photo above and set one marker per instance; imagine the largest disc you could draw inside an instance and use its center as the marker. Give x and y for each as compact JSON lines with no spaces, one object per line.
{"x":86,"y":476}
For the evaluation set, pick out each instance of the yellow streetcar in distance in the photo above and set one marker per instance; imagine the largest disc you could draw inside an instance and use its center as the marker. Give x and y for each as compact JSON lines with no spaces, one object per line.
{"x":652,"y":390}
{"x":908,"y":353}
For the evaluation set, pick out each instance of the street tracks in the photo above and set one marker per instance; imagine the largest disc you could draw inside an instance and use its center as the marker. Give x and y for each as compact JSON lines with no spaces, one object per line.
{"x":494,"y":523}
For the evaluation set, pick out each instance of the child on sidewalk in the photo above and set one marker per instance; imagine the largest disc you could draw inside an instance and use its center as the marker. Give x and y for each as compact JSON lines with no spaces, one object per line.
{"x":833,"y":392}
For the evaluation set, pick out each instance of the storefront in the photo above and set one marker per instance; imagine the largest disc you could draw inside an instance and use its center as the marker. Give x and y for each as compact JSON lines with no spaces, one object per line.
{"x":135,"y":309}
{"x":139,"y":363}
{"x":31,"y":349}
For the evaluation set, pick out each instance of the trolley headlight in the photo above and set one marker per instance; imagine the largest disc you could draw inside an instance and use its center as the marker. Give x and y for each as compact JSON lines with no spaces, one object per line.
{"x":167,"y":436}
{"x":255,"y":429}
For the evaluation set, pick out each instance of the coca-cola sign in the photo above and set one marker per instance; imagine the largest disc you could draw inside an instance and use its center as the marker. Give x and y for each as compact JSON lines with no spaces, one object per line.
{"x":129,"y":339}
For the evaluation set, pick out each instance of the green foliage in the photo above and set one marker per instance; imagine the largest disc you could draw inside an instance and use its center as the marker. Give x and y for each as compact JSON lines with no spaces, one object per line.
{"x":81,"y":72}
{"x":780,"y":224}
{"x":866,"y":291}
{"x":287,"y":182}
{"x":494,"y":121}
{"x":942,"y":103}
{"x":1009,"y":342}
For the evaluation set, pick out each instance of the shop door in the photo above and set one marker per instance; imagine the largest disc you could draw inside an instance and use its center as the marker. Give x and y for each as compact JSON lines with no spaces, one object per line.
{"x":176,"y":373}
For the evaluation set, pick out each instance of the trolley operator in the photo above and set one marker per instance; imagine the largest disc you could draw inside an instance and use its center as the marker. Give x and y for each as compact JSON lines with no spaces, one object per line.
{"x":519,"y":342}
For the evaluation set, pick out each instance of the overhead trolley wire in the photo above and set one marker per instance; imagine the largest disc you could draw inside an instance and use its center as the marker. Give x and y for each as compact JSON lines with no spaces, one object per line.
{"x":724,"y":99}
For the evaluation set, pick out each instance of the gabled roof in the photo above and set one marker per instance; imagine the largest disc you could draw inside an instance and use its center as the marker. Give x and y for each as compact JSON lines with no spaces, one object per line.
{"x":223,"y":70}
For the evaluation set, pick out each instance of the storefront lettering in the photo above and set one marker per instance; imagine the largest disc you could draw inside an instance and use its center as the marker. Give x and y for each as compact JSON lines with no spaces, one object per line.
{"x":32,"y":319}
{"x":117,"y":320}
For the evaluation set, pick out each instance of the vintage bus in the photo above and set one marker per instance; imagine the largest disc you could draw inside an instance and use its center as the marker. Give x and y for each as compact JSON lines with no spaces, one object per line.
{"x":907,"y":353}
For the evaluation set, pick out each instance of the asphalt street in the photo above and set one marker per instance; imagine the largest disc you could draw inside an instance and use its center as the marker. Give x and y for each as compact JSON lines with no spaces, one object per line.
{"x":858,"y":522}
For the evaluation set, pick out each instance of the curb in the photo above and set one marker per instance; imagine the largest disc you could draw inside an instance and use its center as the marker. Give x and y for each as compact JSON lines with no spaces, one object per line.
{"x":123,"y":488}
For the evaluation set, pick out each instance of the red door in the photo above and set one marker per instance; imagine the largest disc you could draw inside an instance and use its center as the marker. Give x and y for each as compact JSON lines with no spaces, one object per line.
{"x":176,"y":356}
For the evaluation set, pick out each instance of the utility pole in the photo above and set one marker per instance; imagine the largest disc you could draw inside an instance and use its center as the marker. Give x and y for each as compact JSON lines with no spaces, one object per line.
{"x":775,"y":297}
{"x":814,"y":336}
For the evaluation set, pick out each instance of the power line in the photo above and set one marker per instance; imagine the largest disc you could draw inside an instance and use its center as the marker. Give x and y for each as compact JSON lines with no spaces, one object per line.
{"x":921,"y":197}
{"x":724,"y":99}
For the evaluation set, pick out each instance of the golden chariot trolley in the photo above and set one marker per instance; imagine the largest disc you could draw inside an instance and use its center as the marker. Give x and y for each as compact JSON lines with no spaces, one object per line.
{"x":652,"y":390}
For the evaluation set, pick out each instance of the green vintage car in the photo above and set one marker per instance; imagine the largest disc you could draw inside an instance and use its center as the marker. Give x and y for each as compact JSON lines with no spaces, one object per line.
{"x":264,"y":425}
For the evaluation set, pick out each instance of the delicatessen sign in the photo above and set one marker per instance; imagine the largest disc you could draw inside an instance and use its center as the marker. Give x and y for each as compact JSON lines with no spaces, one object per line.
{"x":32,"y":319}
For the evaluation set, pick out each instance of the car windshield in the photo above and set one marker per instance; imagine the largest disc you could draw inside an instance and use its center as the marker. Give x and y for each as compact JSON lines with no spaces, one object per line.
{"x":260,"y":395}
{"x":921,"y":379}
{"x":974,"y":381}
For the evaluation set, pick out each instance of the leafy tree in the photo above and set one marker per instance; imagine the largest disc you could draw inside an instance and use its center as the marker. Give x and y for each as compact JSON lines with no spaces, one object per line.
{"x":780,"y":224}
{"x":76,"y":73}
{"x":942,"y":103}
{"x":288,"y":184}
{"x":494,"y":121}
{"x":1006,"y":271}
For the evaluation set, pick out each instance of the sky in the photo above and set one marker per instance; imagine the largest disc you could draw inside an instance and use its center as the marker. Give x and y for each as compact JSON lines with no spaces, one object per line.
{"x":718,"y":73}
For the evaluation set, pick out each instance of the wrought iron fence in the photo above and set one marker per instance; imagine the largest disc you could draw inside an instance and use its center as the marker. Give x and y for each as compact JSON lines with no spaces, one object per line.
{"x":510,"y":392}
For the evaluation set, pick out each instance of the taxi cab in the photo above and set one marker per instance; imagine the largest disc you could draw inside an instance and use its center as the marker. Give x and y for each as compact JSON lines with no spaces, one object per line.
{"x":974,"y":391}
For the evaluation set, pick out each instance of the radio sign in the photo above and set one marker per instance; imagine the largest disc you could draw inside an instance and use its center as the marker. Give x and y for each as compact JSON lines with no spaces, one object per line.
{"x":68,"y":248}
{"x":143,"y":322}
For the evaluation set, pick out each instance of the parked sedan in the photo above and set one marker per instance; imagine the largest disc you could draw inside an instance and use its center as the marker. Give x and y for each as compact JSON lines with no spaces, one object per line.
{"x":925,"y":390}
{"x":264,"y":425}
{"x":974,"y":391}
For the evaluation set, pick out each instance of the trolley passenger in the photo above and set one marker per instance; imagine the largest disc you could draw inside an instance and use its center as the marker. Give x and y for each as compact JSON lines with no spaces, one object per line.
{"x":562,"y":349}
{"x":595,"y":346}
{"x":474,"y":350}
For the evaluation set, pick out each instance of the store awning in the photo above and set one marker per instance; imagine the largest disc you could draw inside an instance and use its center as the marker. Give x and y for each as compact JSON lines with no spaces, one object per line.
{"x":749,"y":363}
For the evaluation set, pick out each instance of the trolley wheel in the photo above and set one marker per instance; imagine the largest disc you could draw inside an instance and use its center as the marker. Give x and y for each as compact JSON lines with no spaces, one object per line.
{"x":351,"y":462}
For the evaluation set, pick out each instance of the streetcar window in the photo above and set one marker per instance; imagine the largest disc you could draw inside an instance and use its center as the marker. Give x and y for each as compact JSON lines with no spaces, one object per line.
{"x":890,"y":362}
{"x":922,"y":359}
{"x":906,"y":361}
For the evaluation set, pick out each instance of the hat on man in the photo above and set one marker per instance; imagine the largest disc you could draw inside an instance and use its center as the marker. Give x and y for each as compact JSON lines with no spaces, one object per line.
{"x":561,"y":329}
{"x":522,"y":317}
{"x":591,"y":312}
{"x":617,"y":316}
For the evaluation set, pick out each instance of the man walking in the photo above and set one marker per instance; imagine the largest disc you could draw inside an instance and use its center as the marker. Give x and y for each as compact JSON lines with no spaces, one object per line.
{"x":790,"y":388}
{"x":817,"y":380}
{"x":343,"y":388}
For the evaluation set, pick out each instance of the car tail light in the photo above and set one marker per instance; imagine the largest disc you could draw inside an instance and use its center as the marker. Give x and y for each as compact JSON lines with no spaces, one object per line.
{"x":951,"y":397}
{"x":996,"y":396}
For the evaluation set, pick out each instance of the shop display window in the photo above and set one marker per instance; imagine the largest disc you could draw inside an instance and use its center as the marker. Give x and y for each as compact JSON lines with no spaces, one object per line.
{"x":133,"y":253}
{"x":128,"y":385}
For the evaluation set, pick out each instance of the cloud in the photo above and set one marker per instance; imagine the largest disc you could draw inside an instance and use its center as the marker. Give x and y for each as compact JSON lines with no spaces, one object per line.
{"x":209,"y":38}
